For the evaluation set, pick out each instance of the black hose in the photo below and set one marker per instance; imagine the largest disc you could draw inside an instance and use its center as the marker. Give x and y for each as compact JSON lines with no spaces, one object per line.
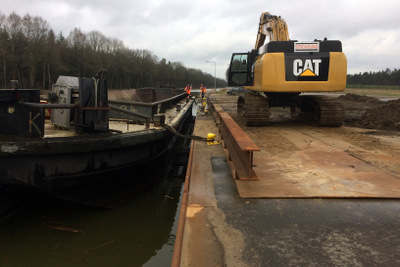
{"x":193,"y":137}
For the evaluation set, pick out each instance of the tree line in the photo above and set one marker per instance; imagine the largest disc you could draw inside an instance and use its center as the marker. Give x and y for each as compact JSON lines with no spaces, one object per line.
{"x":384,"y":77}
{"x":33,"y":54}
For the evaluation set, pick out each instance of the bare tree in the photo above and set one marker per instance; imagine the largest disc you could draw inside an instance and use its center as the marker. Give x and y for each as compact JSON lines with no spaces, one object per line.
{"x":13,"y":28}
{"x":3,"y":46}
{"x":76,"y":41}
{"x":35,"y":31}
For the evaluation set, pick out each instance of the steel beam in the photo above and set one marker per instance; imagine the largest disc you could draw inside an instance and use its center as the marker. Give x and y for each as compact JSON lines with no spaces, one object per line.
{"x":240,"y":147}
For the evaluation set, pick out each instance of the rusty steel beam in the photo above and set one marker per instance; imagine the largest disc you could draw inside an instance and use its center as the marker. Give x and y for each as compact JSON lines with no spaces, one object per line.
{"x":240,"y":148}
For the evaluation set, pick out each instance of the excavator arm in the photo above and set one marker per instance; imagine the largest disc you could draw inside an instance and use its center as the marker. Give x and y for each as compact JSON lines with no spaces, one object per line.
{"x":272,"y":26}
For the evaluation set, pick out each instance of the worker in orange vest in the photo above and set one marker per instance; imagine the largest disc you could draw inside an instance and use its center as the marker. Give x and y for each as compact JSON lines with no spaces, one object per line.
{"x":188,"y":88}
{"x":202,"y":90}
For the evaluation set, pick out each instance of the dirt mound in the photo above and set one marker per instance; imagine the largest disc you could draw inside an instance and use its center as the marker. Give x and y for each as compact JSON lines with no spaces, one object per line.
{"x":359,"y":98}
{"x":370,"y":112}
{"x":383,"y":117}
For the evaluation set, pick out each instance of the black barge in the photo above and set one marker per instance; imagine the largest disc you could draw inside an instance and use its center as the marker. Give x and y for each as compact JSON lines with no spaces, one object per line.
{"x":92,"y":144}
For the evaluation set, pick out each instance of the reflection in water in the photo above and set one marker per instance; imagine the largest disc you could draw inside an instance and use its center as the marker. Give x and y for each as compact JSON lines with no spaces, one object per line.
{"x":49,"y":232}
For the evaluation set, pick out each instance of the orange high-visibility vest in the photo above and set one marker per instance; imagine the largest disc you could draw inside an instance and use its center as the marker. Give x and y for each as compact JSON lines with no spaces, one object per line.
{"x":187,"y":89}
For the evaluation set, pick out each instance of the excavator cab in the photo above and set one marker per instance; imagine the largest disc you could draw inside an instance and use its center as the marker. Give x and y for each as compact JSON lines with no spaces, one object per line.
{"x":241,"y":69}
{"x":238,"y":70}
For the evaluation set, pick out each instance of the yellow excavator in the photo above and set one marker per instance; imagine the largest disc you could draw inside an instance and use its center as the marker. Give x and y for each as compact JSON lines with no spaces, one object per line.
{"x":283,"y":73}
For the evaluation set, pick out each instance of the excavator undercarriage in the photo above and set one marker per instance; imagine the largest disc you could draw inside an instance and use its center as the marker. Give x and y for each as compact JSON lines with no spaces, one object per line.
{"x":320,"y":110}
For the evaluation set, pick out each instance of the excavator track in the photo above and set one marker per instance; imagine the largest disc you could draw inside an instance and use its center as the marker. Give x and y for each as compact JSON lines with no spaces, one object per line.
{"x":255,"y":110}
{"x":322,"y":110}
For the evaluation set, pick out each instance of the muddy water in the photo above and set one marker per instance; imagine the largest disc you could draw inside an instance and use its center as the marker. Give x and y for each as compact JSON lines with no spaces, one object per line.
{"x":44,"y":231}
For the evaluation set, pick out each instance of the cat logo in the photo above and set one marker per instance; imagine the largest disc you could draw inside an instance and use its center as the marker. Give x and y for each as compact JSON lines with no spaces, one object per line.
{"x":308,"y":67}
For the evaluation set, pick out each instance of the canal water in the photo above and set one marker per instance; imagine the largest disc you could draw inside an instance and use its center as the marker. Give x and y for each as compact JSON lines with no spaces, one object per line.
{"x":43,"y":231}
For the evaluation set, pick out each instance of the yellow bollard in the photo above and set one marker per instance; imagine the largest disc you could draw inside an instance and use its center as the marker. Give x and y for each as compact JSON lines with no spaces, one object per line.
{"x":211,"y":141}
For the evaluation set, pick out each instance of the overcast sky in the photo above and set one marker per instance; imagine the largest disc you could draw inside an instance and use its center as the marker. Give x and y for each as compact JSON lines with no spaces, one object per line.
{"x":193,"y":32}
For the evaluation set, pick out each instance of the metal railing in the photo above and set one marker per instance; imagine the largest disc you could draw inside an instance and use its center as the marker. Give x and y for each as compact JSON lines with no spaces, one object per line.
{"x":142,"y":111}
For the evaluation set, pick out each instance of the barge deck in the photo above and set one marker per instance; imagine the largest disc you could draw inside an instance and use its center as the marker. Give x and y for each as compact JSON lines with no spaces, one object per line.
{"x":218,"y":227}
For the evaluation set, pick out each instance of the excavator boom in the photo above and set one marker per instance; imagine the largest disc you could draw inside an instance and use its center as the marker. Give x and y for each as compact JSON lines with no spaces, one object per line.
{"x":272,"y":26}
